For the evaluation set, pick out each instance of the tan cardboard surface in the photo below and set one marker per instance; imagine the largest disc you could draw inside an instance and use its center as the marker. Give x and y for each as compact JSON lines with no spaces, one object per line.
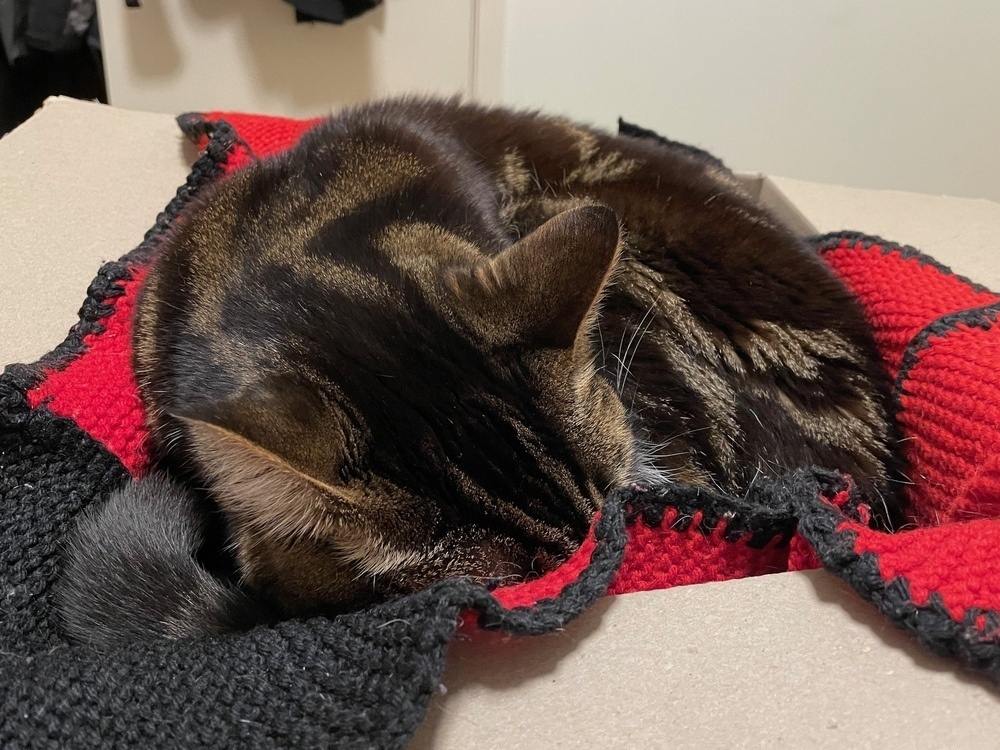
{"x":794,"y":660}
{"x":789,"y":660}
{"x":962,"y":233}
{"x":80,"y":184}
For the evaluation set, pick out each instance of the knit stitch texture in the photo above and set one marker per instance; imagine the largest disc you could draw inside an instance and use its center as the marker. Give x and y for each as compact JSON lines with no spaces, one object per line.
{"x":72,"y":429}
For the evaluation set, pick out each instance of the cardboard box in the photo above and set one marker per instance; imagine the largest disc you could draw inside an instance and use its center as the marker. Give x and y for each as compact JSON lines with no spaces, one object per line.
{"x":787,"y":660}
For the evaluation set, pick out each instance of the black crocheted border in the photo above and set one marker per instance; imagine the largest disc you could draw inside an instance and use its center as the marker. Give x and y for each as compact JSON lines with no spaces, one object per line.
{"x":195,"y":126}
{"x":763,"y":516}
{"x":984,"y":317}
{"x":766,"y":514}
{"x":930,"y":623}
{"x":829,"y":242}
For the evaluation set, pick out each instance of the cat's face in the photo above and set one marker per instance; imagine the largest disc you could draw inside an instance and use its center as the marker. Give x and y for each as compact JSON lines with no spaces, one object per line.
{"x":424,"y":413}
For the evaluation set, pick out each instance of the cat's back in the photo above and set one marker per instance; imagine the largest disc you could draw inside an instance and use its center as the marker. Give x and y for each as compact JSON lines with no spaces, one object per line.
{"x":726,"y":324}
{"x":739,"y":351}
{"x":339,"y":239}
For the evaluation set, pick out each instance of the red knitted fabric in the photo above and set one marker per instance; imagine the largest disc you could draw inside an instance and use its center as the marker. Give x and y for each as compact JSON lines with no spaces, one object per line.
{"x":801,"y":555}
{"x":261,"y":135}
{"x":956,"y":562}
{"x":98,"y":390}
{"x":940,"y":339}
{"x":543,"y":587}
{"x":900,"y":294}
{"x":665,"y":556}
{"x":936,"y":332}
{"x":948,"y":393}
{"x":951,"y":401}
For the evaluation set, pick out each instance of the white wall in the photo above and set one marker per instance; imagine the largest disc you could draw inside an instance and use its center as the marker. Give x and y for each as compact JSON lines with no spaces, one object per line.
{"x":184,"y":55}
{"x":895,"y":94}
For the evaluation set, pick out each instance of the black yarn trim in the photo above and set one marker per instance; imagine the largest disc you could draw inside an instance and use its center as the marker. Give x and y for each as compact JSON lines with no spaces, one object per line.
{"x":827,"y":242}
{"x":195,"y":126}
{"x":931,"y":624}
{"x":107,"y":284}
{"x":765,"y":513}
{"x":635,"y":131}
{"x":551,"y":614}
{"x":984,"y":317}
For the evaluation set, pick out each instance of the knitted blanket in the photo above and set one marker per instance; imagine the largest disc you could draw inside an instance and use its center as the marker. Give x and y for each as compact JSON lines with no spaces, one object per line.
{"x":72,"y":429}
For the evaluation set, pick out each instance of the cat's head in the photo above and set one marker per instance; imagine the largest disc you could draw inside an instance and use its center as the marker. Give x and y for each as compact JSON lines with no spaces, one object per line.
{"x":415,"y":411}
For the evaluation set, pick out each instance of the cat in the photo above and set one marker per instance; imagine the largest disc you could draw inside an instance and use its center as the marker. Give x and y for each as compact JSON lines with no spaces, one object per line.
{"x":427,"y":340}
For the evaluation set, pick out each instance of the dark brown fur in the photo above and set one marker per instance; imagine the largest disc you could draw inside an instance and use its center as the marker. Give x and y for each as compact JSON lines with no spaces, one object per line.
{"x":418,"y":345}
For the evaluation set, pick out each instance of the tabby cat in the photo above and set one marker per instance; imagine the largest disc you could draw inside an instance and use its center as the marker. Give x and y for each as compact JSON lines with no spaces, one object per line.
{"x":426,"y":342}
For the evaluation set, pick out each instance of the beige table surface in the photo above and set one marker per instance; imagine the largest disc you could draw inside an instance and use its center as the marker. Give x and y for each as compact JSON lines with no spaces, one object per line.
{"x":791,"y":660}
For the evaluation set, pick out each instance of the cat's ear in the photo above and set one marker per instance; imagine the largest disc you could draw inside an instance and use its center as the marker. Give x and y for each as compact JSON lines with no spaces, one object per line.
{"x":544,"y":289}
{"x":271,"y":489}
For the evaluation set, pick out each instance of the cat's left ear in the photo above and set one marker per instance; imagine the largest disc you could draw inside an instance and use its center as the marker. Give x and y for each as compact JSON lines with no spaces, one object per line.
{"x":543,"y":290}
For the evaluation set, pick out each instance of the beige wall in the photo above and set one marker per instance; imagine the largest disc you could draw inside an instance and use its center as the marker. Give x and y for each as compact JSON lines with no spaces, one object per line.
{"x":181,"y":55}
{"x":895,"y":94}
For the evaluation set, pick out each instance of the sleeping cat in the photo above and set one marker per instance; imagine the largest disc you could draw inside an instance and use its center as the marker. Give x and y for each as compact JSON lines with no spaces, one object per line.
{"x":426,"y":342}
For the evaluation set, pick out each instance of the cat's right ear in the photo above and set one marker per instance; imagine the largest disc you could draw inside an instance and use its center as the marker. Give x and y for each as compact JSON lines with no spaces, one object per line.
{"x":270,"y":457}
{"x":544,"y":289}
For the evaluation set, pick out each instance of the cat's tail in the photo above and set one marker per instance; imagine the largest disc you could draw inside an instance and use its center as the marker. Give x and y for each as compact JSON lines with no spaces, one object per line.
{"x":130,"y":573}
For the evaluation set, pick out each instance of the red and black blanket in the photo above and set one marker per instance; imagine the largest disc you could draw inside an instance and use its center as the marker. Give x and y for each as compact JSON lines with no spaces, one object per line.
{"x":72,"y":429}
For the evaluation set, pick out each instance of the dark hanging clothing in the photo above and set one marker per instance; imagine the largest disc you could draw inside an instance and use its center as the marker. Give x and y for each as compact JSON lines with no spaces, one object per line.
{"x":54,"y":26}
{"x":331,"y":11}
{"x":47,"y":47}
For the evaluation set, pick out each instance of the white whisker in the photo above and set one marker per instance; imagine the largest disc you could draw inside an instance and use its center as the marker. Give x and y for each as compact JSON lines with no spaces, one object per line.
{"x":640,"y":330}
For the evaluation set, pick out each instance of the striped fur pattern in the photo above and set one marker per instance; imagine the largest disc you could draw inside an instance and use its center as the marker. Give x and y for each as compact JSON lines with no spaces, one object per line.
{"x":427,"y":341}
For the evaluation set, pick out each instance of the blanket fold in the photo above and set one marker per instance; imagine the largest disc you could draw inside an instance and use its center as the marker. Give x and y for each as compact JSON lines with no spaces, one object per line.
{"x":72,"y":429}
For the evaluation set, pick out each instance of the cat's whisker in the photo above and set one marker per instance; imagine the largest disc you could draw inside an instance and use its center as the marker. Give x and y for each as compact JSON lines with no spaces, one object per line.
{"x":635,"y":392}
{"x":648,"y":325}
{"x":756,"y":475}
{"x":669,"y":455}
{"x":885,"y":507}
{"x":623,"y":371}
{"x":604,"y":359}
{"x":906,"y":480}
{"x":688,"y":433}
{"x":534,"y":178}
{"x":637,"y":331}
{"x":618,"y":374}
